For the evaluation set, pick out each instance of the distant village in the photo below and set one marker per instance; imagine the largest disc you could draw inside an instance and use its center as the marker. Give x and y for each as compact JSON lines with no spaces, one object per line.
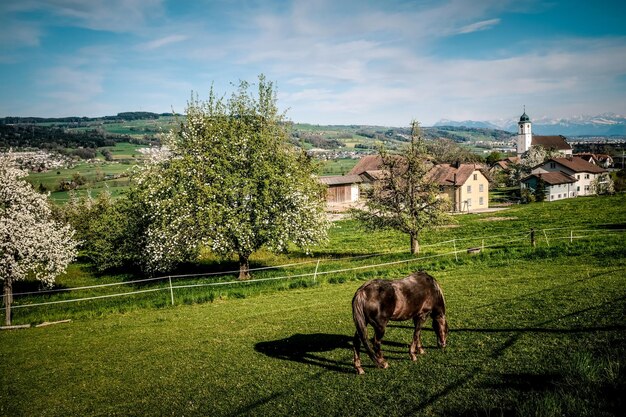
{"x":562,"y":175}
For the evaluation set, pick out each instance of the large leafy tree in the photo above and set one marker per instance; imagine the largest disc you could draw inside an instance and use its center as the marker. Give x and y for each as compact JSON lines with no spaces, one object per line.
{"x":32,"y":244}
{"x":404,"y":198}
{"x":232,"y":182}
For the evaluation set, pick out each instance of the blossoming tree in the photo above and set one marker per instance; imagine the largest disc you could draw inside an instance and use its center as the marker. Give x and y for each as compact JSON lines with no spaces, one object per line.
{"x":405,"y":198}
{"x":233,"y":183}
{"x":32,"y":245}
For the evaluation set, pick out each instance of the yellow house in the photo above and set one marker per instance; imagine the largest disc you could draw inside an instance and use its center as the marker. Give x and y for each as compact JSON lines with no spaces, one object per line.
{"x":466,"y":185}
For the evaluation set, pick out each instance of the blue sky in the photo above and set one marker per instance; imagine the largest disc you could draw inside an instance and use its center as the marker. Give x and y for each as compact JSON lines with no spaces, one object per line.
{"x":380,"y":62}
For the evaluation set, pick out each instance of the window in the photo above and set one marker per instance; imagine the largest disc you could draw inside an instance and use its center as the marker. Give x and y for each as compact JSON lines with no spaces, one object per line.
{"x":586,"y":176}
{"x":578,"y":176}
{"x":481,"y":188}
{"x":552,"y":165}
{"x":481,"y":201}
{"x":469,"y":189}
{"x":578,"y":188}
{"x":475,"y":177}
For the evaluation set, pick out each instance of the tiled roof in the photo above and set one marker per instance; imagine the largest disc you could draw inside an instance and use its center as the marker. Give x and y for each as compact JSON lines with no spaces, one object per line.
{"x":577,"y":165}
{"x":553,"y":178}
{"x":443,"y":174}
{"x":367,"y":163}
{"x":341,"y":180}
{"x":551,"y":142}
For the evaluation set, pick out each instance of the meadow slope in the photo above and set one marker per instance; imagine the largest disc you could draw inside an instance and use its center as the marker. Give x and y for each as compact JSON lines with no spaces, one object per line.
{"x":533,"y":332}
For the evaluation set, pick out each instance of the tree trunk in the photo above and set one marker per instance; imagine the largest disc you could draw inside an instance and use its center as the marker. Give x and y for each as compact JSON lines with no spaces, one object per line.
{"x":415,"y":245}
{"x":8,"y":299}
{"x":244,"y":267}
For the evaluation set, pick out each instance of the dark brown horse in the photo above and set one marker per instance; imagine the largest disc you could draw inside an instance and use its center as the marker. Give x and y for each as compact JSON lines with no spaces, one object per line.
{"x":378,"y":301}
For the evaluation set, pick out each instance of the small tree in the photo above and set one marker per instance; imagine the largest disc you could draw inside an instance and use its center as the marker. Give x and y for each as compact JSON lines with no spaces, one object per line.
{"x":111,"y":232}
{"x":603,"y":184}
{"x":446,"y":151}
{"x":32,"y":245}
{"x":536,"y":155}
{"x":404,"y":198}
{"x":233,"y":182}
{"x":540,"y":190}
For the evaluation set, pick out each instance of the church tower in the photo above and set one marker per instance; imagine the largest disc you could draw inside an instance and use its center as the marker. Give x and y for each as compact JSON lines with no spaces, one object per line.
{"x":524,"y":133}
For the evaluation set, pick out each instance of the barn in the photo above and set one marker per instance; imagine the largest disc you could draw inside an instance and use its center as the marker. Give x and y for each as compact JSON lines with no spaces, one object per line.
{"x":342,"y":188}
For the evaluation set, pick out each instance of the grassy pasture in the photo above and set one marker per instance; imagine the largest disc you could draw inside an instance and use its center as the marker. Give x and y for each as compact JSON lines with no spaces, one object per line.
{"x":338,"y":166}
{"x":533,"y":332}
{"x":98,"y":176}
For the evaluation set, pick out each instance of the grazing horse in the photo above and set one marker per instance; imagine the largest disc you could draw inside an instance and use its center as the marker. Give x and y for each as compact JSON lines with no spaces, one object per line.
{"x":378,"y":301}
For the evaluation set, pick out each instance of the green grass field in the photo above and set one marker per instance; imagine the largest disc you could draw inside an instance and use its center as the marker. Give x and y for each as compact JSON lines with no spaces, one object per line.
{"x":534,"y":331}
{"x":98,"y":176}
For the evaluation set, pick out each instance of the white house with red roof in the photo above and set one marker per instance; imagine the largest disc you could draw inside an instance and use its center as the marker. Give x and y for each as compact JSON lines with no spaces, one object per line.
{"x":564,"y":177}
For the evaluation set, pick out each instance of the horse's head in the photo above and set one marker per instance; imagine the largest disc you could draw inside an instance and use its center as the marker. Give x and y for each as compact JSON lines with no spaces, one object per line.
{"x":440,"y":325}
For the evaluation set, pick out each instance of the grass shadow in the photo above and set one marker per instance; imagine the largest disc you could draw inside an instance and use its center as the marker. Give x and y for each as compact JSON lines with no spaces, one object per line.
{"x":309,"y":349}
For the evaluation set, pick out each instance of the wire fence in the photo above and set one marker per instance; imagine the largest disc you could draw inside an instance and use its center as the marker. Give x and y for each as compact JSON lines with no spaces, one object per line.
{"x":448,"y":248}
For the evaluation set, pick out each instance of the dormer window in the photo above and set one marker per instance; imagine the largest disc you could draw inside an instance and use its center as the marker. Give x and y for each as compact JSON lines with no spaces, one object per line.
{"x":552,"y":165}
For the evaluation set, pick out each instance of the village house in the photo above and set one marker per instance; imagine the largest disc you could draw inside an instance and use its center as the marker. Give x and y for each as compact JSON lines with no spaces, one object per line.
{"x":466,"y":185}
{"x":601,"y":160}
{"x":564,"y":178}
{"x":556,"y":185}
{"x":503,"y":165}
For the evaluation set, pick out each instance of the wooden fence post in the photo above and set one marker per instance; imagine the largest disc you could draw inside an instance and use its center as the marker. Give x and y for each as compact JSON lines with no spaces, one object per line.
{"x":315,"y":275}
{"x":532,"y":238}
{"x":171,"y":289}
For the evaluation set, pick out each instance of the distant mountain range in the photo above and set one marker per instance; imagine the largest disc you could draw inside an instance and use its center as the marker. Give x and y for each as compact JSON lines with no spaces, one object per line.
{"x":608,"y":124}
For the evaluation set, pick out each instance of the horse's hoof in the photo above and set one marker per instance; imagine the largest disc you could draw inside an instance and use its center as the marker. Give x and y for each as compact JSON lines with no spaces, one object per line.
{"x":413,"y":357}
{"x":384,"y":365}
{"x":360,"y":371}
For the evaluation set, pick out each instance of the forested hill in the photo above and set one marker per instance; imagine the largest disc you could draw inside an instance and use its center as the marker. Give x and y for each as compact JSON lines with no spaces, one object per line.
{"x":52,"y":137}
{"x":133,"y":115}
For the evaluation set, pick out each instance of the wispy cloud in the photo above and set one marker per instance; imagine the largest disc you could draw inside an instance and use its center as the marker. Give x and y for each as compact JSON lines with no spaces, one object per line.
{"x":478,"y":26}
{"x":160,"y":42}
{"x":111,"y":15}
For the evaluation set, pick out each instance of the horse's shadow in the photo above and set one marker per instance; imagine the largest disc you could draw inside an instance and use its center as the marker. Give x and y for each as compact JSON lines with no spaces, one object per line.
{"x":309,"y":349}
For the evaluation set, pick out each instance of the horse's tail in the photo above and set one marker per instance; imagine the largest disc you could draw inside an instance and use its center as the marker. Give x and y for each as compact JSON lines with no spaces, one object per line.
{"x":358,"y":315}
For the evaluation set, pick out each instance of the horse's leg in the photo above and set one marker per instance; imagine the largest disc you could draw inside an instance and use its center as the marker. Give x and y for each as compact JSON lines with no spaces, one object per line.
{"x":379,"y":332}
{"x":356,"y":346}
{"x":417,"y":339}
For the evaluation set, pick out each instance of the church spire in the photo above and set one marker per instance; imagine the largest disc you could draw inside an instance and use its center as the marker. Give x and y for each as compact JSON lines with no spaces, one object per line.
{"x":524,"y":133}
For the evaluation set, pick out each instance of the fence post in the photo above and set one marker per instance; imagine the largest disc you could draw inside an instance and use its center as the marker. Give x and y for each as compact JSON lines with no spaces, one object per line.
{"x":315,"y":275}
{"x":456,"y":255}
{"x":171,"y":289}
{"x":532,"y":238}
{"x":546,"y":235}
{"x":571,"y":236}
{"x":483,"y":246}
